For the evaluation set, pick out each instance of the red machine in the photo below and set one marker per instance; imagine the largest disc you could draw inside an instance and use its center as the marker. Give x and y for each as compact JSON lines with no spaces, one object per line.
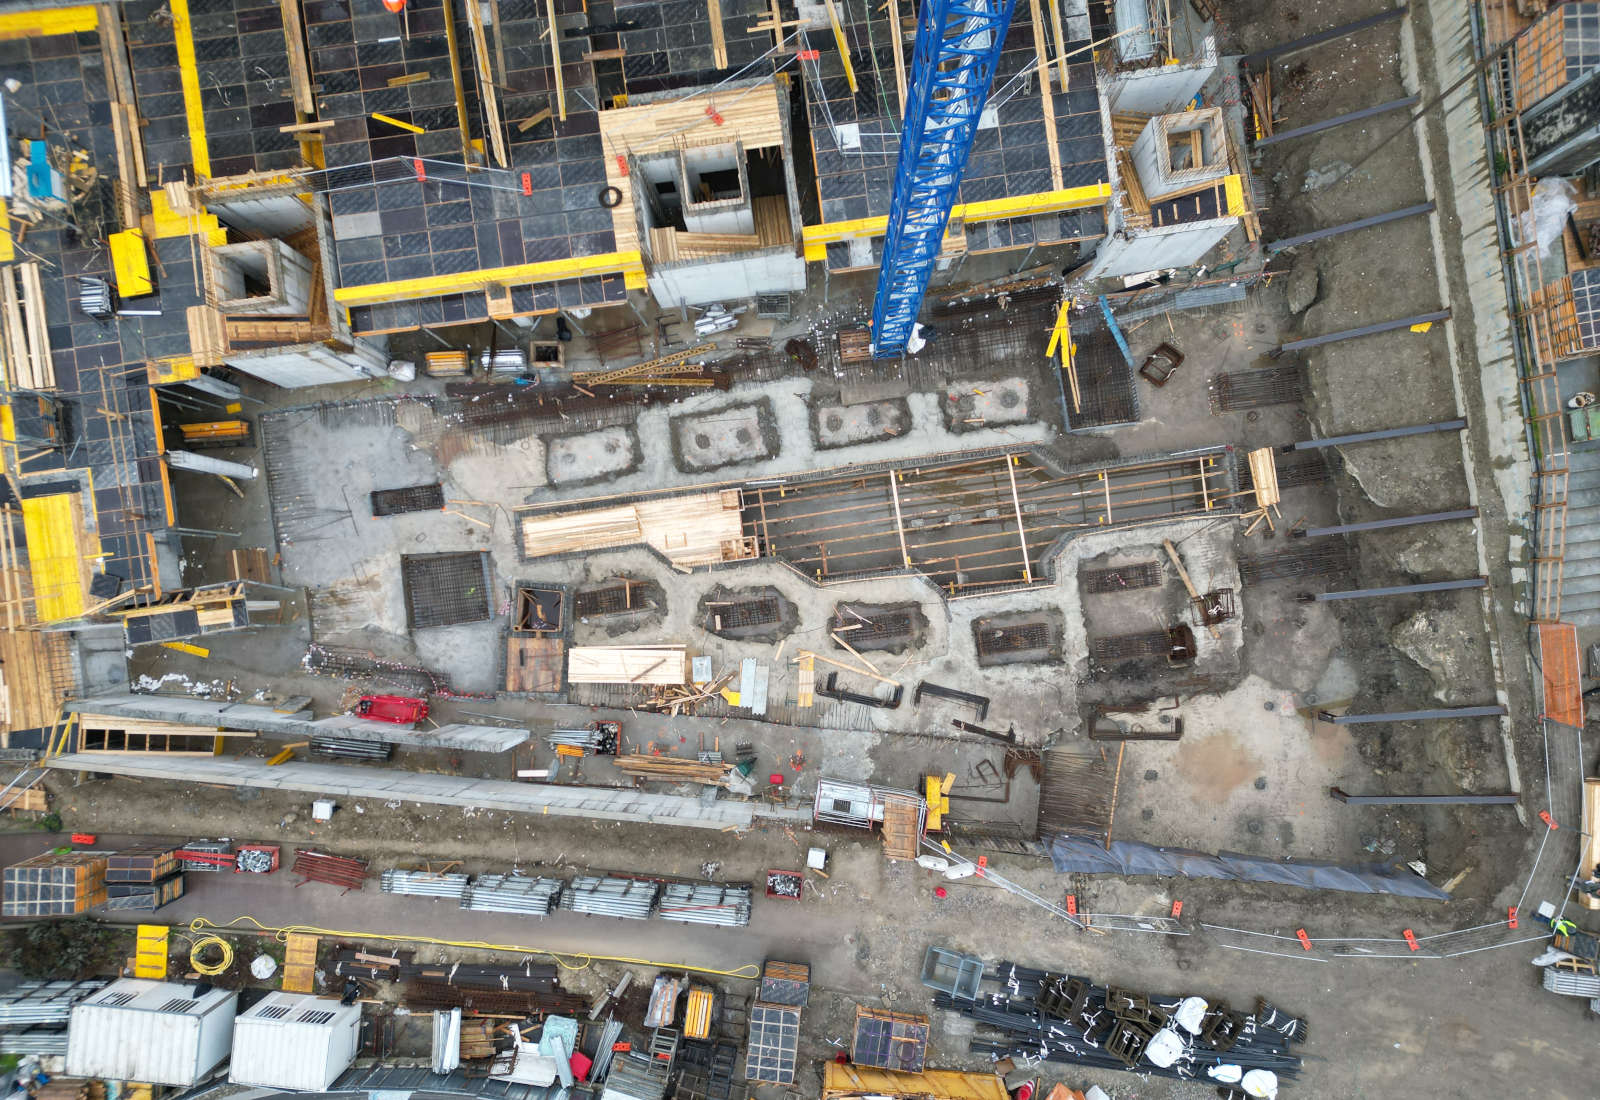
{"x":399,"y":709}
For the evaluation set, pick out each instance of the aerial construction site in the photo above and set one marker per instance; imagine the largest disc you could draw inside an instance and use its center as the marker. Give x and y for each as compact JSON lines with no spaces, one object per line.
{"x":727,"y":549}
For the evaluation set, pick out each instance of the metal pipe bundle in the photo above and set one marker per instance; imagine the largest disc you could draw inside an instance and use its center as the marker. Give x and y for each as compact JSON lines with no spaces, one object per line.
{"x":577,"y":739}
{"x":708,"y":903}
{"x":609,"y":1034}
{"x":511,"y":894}
{"x":423,"y":884}
{"x":610,"y":897}
{"x":1032,"y":1023}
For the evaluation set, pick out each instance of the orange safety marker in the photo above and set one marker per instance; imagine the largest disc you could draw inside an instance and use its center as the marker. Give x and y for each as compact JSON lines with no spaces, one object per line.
{"x":417,"y":167}
{"x":1544,"y":816}
{"x":714,"y":115}
{"x":622,"y":164}
{"x":84,"y":838}
{"x":1411,"y":940}
{"x":527,"y":183}
{"x":1305,"y":940}
{"x":1177,"y":909}
{"x":1511,"y":916}
{"x":1072,"y":905}
{"x":809,"y":55}
{"x":621,"y":1048}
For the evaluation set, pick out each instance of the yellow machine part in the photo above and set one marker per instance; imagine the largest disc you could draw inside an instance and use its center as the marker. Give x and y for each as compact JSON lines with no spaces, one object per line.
{"x":215,"y":429}
{"x":187,"y":647}
{"x":131,"y":263}
{"x":150,"y":952}
{"x":697,"y":1012}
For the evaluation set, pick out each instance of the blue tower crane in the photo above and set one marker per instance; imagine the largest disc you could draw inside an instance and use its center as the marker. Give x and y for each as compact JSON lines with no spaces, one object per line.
{"x":958,"y":46}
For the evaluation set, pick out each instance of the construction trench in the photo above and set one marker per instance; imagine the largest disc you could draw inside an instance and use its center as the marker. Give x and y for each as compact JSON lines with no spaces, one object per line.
{"x":1181,"y":608}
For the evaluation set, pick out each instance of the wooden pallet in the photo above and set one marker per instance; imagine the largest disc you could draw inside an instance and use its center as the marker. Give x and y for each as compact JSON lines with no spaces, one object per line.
{"x":855,"y":345}
{"x":300,"y":963}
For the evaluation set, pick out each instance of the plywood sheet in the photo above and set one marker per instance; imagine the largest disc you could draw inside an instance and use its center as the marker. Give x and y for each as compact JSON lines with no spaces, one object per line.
{"x":655,"y":665}
{"x":689,"y":529}
{"x":533,"y":664}
{"x":57,"y":543}
{"x":752,"y":117}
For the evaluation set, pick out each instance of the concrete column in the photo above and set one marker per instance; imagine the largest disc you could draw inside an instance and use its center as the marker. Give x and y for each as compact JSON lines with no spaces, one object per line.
{"x":204,"y":464}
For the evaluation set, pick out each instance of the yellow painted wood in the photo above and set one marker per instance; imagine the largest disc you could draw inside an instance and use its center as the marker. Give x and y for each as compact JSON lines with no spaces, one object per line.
{"x":189,"y":74}
{"x":175,"y":368}
{"x":1233,"y":188}
{"x":185,"y":647}
{"x":47,"y":21}
{"x":548,"y":271}
{"x":397,"y":123}
{"x":8,"y":246}
{"x":53,"y":525}
{"x":1043,"y":202}
{"x":130,"y":263}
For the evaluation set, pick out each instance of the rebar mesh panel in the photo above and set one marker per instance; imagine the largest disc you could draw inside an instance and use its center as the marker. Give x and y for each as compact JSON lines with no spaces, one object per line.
{"x":743,"y":613}
{"x":774,"y":1044}
{"x":1299,"y":469}
{"x":1313,"y":559}
{"x":880,"y":627}
{"x":445,"y":589}
{"x":1105,"y":383}
{"x":413,"y":498}
{"x":602,"y":601}
{"x":1255,"y":389}
{"x":1075,"y":795}
{"x":1120,"y":647}
{"x":1142,"y":574}
{"x":993,"y":641}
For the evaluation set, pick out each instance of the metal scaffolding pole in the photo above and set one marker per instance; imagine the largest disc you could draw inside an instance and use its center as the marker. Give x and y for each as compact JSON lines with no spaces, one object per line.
{"x":1347,"y":227}
{"x":1381,"y":524}
{"x":1410,"y":715}
{"x":1364,"y":330}
{"x":1425,"y":799}
{"x":1397,"y":590}
{"x":1307,"y":41}
{"x":1340,"y":120}
{"x":1368,"y":437}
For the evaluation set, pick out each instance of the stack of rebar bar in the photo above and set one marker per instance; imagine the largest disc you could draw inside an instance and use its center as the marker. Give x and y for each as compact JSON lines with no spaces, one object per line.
{"x":511,"y":894}
{"x":711,"y":903}
{"x":610,"y":897}
{"x":1061,"y":1018}
{"x":423,"y":884}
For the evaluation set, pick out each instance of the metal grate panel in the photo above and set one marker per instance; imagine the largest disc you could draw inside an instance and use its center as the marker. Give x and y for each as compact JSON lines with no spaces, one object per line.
{"x":445,"y":589}
{"x":1142,"y":574}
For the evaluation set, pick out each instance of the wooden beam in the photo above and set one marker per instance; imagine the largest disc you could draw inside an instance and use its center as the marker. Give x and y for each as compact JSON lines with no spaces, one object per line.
{"x":896,"y":43}
{"x":1016,"y":502}
{"x":408,"y":78}
{"x":719,"y":43}
{"x":1042,"y":61}
{"x":532,"y":120}
{"x":858,"y":670}
{"x":299,"y":70}
{"x":488,"y":99}
{"x":454,"y":48}
{"x":555,"y":60}
{"x":1061,"y":41}
{"x":1183,"y":575}
{"x":899,"y":524}
{"x":843,"y":44}
{"x":606,"y":55}
{"x":302,"y":127}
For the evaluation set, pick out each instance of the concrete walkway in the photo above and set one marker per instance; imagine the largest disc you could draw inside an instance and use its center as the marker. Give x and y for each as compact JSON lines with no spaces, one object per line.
{"x":388,"y":784}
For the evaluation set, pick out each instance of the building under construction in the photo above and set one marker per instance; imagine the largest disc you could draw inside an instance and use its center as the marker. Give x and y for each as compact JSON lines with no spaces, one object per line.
{"x":472,"y":407}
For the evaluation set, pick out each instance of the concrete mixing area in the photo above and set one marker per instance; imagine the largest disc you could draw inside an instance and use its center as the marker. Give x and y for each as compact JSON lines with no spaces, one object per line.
{"x":1183,"y":614}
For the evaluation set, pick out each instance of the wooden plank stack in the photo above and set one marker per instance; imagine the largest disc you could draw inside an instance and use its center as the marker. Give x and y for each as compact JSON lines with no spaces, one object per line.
{"x":673,"y":769}
{"x":689,"y":529}
{"x":26,"y":341}
{"x":643,"y":664}
{"x":1264,"y":477}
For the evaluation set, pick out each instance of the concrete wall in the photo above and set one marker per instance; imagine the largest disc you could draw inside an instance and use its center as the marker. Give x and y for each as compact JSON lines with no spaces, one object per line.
{"x":274,"y":216}
{"x":1162,"y":89}
{"x":1162,"y":247}
{"x":311,"y":364}
{"x":718,"y":218}
{"x":770,"y":271}
{"x":284,"y":270}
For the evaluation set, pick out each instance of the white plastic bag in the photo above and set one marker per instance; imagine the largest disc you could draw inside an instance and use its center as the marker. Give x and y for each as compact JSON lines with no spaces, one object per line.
{"x":1553,"y":199}
{"x":1228,"y":1075}
{"x":1262,"y":1083}
{"x":1164,"y":1048}
{"x":1191,"y":1012}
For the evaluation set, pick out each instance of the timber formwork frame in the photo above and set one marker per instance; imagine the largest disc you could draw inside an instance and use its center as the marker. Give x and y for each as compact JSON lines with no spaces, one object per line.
{"x":1535,"y":327}
{"x":970,"y":527}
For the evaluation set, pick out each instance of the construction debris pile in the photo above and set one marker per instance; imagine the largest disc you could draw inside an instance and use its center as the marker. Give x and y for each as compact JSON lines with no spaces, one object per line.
{"x":1051,"y":1017}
